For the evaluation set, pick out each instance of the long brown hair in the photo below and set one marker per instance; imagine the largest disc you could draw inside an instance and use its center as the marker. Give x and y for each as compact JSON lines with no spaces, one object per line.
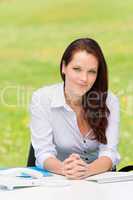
{"x":94,"y":100}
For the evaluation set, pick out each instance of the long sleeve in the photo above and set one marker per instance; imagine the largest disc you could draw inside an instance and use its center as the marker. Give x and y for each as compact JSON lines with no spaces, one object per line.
{"x":112,"y":132}
{"x":41,"y":129}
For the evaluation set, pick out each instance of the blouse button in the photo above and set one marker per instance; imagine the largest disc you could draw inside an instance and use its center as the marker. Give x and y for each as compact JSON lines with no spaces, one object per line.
{"x":86,"y":158}
{"x":84,"y":141}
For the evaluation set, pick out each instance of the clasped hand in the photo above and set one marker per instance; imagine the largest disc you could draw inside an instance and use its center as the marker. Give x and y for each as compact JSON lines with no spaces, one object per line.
{"x":74,"y":167}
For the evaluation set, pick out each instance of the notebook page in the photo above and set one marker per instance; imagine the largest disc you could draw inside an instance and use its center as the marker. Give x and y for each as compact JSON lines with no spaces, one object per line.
{"x":111,"y":177}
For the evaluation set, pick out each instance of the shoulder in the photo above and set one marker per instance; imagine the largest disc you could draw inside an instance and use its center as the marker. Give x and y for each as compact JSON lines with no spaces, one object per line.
{"x":45,"y":94}
{"x":112,"y":103}
{"x":47,"y":90}
{"x":112,"y":100}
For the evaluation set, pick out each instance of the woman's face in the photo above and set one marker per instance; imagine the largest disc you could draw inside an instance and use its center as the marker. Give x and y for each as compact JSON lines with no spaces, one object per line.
{"x":80,"y":73}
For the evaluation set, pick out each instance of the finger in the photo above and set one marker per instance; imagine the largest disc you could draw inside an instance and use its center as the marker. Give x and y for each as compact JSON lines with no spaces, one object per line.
{"x":72,"y":171}
{"x":76,"y":176}
{"x":77,"y":165}
{"x":75,"y":155}
{"x":73,"y":164}
{"x":76,"y":171}
{"x":70,"y":159}
{"x":80,"y":162}
{"x":69,"y":166}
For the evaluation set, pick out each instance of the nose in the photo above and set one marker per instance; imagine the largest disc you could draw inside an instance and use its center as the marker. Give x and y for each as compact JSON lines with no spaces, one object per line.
{"x":84,"y":77}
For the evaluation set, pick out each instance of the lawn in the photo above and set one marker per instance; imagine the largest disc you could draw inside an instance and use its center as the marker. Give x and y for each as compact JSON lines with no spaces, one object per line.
{"x":33,"y":36}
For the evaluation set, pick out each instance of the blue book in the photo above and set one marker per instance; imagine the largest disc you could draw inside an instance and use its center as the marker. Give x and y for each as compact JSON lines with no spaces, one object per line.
{"x":18,"y":177}
{"x":25,"y":172}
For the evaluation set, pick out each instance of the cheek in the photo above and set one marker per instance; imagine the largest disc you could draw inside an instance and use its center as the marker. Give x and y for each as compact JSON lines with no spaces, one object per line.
{"x":71,"y":76}
{"x":92,"y":78}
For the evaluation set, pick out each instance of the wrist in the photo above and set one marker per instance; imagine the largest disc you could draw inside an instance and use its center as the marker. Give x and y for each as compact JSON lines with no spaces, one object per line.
{"x":88,"y":173}
{"x":62,"y":169}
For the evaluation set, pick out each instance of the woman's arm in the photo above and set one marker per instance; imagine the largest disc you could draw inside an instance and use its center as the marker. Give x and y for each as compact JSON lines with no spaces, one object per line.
{"x":41,"y":129}
{"x":112,"y":132}
{"x":76,"y":168}
{"x":108,"y":155}
{"x":54,"y":165}
{"x":100,"y":165}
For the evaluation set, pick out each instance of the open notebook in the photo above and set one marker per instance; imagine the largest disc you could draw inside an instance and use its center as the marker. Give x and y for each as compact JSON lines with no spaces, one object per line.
{"x":14,"y":178}
{"x":109,"y":177}
{"x":22,"y":177}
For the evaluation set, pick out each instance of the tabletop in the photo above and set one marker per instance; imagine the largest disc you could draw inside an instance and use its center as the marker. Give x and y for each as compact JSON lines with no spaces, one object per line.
{"x":74,"y":189}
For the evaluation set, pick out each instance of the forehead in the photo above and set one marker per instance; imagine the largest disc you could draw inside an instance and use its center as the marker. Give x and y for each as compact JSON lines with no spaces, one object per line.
{"x":83,"y":58}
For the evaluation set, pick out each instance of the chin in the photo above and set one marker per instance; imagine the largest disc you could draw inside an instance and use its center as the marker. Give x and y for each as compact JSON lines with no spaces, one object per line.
{"x":80,"y":93}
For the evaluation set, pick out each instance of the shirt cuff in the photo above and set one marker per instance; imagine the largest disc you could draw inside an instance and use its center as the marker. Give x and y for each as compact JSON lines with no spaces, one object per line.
{"x":112,"y":154}
{"x":40,"y":160}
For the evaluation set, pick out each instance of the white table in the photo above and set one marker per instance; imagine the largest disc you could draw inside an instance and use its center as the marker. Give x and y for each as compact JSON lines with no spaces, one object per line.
{"x":76,"y":190}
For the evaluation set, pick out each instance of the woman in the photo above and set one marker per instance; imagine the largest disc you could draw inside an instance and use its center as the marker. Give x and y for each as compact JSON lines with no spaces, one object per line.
{"x":75,"y":124}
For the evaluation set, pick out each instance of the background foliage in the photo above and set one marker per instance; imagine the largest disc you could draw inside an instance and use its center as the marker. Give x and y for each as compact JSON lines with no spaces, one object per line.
{"x":33,"y":36}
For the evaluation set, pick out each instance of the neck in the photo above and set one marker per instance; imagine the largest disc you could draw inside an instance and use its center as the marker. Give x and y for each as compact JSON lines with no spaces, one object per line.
{"x":73,"y":101}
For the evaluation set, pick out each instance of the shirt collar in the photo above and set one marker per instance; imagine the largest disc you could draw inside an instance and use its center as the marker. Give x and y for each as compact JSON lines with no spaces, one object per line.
{"x":58,"y":99}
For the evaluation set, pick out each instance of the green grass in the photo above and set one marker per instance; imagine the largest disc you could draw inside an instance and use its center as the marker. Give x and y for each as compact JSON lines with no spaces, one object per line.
{"x":33,"y":36}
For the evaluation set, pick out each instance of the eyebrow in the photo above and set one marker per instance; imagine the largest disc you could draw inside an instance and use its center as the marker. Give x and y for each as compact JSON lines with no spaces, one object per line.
{"x":90,"y":68}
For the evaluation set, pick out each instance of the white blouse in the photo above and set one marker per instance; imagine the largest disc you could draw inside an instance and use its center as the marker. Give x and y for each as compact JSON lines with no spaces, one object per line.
{"x":55,"y":132}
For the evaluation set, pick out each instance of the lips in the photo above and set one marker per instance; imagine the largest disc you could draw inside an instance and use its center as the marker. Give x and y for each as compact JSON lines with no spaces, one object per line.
{"x":82,"y":85}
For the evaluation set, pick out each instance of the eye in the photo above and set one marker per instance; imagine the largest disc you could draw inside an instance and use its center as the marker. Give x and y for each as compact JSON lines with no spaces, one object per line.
{"x":92,"y":72}
{"x":77,"y":69}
